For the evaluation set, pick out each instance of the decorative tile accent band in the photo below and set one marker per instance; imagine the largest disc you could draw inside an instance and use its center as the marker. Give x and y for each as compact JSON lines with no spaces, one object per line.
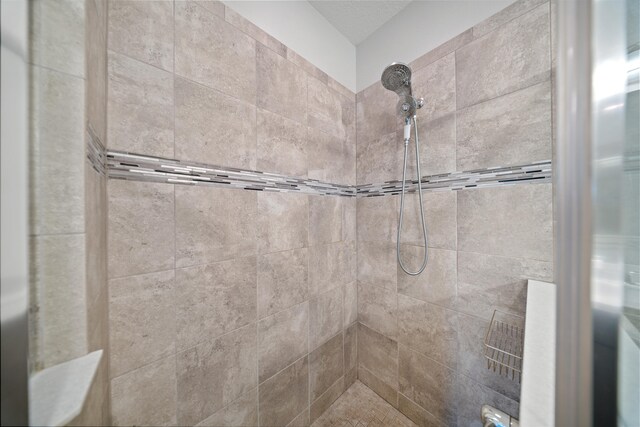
{"x":96,"y":153}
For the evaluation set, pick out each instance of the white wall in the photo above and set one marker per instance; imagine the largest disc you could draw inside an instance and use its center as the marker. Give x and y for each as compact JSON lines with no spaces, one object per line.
{"x":417,"y":29}
{"x":301,"y":27}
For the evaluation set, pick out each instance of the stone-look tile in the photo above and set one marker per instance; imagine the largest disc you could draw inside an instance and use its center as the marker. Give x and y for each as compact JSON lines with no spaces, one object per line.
{"x":282,"y":339}
{"x":487,"y":282}
{"x":59,"y":316}
{"x":331,"y":265}
{"x":514,"y":221}
{"x":349,"y":216}
{"x":282,"y":280}
{"x":214,"y":299}
{"x":140,"y":227}
{"x":213,"y":128}
{"x":58,"y":35}
{"x":377,"y":219}
{"x":96,"y":66}
{"x":282,"y":88}
{"x":142,"y":320}
{"x":346,"y":93}
{"x":377,"y":264}
{"x":302,"y":420}
{"x":215,"y":373}
{"x":378,"y":309}
{"x":381,"y":388}
{"x":429,"y":329}
{"x":210,"y":51}
{"x":282,"y":145}
{"x":437,"y":147}
{"x":439,"y":217}
{"x":512,"y":57}
{"x":379,"y":159}
{"x":307,"y":66}
{"x":437,"y":284}
{"x":351,"y":348}
{"x":146,"y":396}
{"x":507,"y":14}
{"x":418,"y":414}
{"x":521,"y":135}
{"x":285,"y":395}
{"x":325,"y":219}
{"x":471,"y":360}
{"x":378,"y":354}
{"x":143,"y":30}
{"x":428,"y":384}
{"x":240,"y":413}
{"x":214,"y":6}
{"x":329,"y":157}
{"x":470,"y":396}
{"x":350,"y":303}
{"x":57,"y":155}
{"x":323,"y":402}
{"x":282,"y":221}
{"x":325,"y":109}
{"x":252,"y":30}
{"x":436,"y":83}
{"x":376,"y":113}
{"x":444,"y":49}
{"x":326,"y":366}
{"x":325,"y":317}
{"x":214,"y":224}
{"x":140,"y":107}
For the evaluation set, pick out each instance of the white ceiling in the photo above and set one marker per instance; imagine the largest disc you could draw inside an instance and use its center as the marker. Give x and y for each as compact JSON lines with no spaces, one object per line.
{"x":357,"y":19}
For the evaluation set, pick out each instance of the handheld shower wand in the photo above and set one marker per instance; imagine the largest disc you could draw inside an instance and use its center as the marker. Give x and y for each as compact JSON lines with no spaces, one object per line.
{"x":397,"y":78}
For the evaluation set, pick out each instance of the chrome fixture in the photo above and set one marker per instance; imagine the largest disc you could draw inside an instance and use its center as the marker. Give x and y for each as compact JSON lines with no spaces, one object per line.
{"x":397,"y":78}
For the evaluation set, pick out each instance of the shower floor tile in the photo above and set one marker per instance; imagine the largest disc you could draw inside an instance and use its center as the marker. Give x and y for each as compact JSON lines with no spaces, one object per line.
{"x":361,"y":407}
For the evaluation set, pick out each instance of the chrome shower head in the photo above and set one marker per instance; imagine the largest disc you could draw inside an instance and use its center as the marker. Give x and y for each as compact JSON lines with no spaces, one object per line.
{"x":397,"y":78}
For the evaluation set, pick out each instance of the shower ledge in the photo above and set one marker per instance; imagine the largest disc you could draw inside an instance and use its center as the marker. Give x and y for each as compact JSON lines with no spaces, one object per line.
{"x":537,"y":396}
{"x":57,"y":394}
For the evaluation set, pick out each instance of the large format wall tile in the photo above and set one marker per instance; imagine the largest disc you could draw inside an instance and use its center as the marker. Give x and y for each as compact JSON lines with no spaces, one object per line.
{"x":282,"y":145}
{"x":439,"y":216}
{"x":246,"y":26}
{"x":325,"y":219}
{"x":285,"y":395}
{"x":377,"y":264}
{"x":437,"y":284}
{"x":140,"y":107}
{"x":282,"y":280}
{"x":471,"y":395}
{"x":215,"y":373}
{"x":350,"y":353}
{"x":329,"y":158}
{"x":282,"y":87}
{"x":214,"y":299}
{"x":241,"y":412}
{"x":377,"y":219}
{"x":142,"y":320}
{"x":322,"y":403}
{"x":143,"y":30}
{"x":375,"y":113}
{"x":514,"y":221}
{"x":214,"y":224}
{"x":325,"y":109}
{"x":437,"y":147}
{"x":507,"y":14}
{"x":350,"y":303}
{"x":146,"y":396}
{"x":213,"y":128}
{"x":140,"y":228}
{"x":282,"y":339}
{"x":436,"y":83}
{"x":96,"y":66}
{"x":521,"y":135}
{"x":325,"y":317}
{"x":379,"y":159}
{"x":331,"y":265}
{"x":378,"y":309}
{"x":213,"y":52}
{"x":512,"y":57}
{"x":283,"y":221}
{"x":379,"y":355}
{"x":326,"y":366}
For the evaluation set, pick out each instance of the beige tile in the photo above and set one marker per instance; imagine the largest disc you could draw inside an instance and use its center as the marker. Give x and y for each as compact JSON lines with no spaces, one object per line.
{"x":325,"y":219}
{"x":57,"y":154}
{"x":377,"y":264}
{"x":512,"y":57}
{"x":326,"y":366}
{"x":376,"y":113}
{"x":215,"y":373}
{"x":437,"y":284}
{"x":350,"y":303}
{"x":214,"y":224}
{"x":213,"y":299}
{"x":302,"y":420}
{"x":207,"y":122}
{"x":254,"y":31}
{"x":379,"y":355}
{"x":377,"y":219}
{"x":282,"y":339}
{"x":96,"y":66}
{"x":381,"y":388}
{"x":57,"y":32}
{"x":487,"y":282}
{"x":444,"y":49}
{"x":282,"y":280}
{"x":351,"y":347}
{"x":507,"y":14}
{"x":307,"y":66}
{"x":329,"y":158}
{"x":140,"y":107}
{"x":214,"y":6}
{"x":349,"y":219}
{"x":331,"y":265}
{"x":416,"y":413}
{"x":470,"y":396}
{"x":429,"y":384}
{"x":241,"y":412}
{"x":324,"y":401}
{"x":133,"y":404}
{"x":429,"y":329}
{"x":285,"y":395}
{"x":142,"y":320}
{"x":379,"y":158}
{"x":282,"y":87}
{"x":211,"y":51}
{"x":522,"y":135}
{"x":326,"y":109}
{"x":143,"y":30}
{"x":140,"y":227}
{"x":437,"y":147}
{"x":325,"y":317}
{"x":282,"y":145}
{"x":282,"y":221}
{"x":439,"y":215}
{"x":378,"y":309}
{"x":514,"y":221}
{"x":436,"y":83}
{"x":338,"y":87}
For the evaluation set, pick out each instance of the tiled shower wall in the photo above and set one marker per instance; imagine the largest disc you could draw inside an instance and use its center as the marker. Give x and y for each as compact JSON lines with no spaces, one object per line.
{"x":487,"y":103}
{"x":226,"y":306}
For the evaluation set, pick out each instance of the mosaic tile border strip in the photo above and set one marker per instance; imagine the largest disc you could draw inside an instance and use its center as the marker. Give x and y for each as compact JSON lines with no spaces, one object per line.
{"x":96,"y":153}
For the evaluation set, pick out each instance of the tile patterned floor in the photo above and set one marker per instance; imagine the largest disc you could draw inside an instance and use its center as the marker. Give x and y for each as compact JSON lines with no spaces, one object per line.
{"x":361,"y":407}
